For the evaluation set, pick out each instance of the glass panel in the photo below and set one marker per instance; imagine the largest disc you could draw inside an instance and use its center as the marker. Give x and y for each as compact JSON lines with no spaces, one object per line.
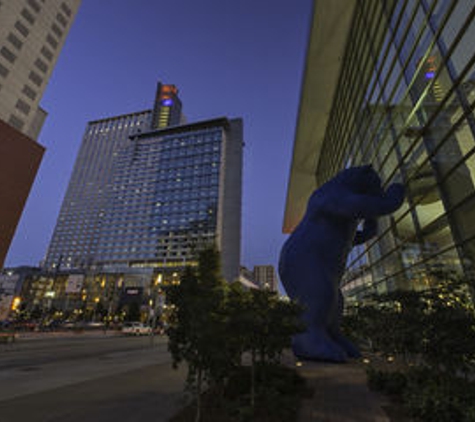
{"x":396,"y":109}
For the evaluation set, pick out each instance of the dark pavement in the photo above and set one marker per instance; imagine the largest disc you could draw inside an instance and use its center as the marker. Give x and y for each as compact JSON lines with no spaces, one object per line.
{"x":118,"y":379}
{"x":340,"y":394}
{"x":89,"y":378}
{"x":151,"y":393}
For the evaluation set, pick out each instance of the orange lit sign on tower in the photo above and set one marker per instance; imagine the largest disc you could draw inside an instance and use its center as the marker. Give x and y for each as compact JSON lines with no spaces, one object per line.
{"x":167,"y":108}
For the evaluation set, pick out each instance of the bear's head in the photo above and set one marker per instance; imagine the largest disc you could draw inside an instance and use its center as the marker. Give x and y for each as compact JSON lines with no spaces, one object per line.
{"x":362,"y":180}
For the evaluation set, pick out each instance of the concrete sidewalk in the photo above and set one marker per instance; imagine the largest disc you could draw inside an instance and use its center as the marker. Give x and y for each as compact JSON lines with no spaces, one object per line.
{"x":340,"y":394}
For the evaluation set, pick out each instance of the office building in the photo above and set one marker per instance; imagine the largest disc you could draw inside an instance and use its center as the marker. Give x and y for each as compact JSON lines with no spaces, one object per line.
{"x":147,"y":191}
{"x":246,"y":278}
{"x":32,"y":33}
{"x":265,"y":277}
{"x":392,"y":83}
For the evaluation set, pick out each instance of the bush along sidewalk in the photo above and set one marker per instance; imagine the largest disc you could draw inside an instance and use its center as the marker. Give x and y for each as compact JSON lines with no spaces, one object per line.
{"x":213,"y":325}
{"x":425,"y":395}
{"x":279,"y":391}
{"x":429,"y":336}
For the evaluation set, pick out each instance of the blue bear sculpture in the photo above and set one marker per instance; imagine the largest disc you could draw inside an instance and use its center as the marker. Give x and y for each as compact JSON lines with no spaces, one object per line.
{"x":313,"y":258}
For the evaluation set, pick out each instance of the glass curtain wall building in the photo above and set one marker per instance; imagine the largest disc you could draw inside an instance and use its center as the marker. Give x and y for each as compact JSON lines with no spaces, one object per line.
{"x":76,"y":235}
{"x":392,"y":84}
{"x":149,"y":192}
{"x":174,"y":191}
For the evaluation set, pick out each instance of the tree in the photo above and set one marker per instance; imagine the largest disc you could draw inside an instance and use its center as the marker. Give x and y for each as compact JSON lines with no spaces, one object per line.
{"x":100,"y":310}
{"x":262,"y":324}
{"x":133,"y":312}
{"x":36,"y":313}
{"x":212,"y":324}
{"x":197,"y":331}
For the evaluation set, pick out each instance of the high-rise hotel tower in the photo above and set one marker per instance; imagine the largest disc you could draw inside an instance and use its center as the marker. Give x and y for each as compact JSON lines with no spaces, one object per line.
{"x":150,"y":191}
{"x":32,"y":33}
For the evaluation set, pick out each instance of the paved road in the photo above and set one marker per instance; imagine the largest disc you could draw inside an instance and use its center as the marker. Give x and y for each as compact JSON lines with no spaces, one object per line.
{"x":97,"y":379}
{"x":31,"y":352}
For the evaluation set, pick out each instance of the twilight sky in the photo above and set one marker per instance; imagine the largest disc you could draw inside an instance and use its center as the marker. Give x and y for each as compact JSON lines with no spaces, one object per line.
{"x":234,"y":58}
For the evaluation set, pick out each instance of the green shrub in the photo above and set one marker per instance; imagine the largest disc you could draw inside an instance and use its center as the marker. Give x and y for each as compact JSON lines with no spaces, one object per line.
{"x":431,"y":396}
{"x":279,"y":392}
{"x":428,"y":395}
{"x":376,"y":379}
{"x":470,"y":414}
{"x":386,"y":382}
{"x":432,"y":403}
{"x":435,"y":325}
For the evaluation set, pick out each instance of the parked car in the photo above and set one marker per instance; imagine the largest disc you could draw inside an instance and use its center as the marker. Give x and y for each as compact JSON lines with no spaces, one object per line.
{"x":94,"y":325}
{"x":136,"y":329}
{"x":69,"y":325}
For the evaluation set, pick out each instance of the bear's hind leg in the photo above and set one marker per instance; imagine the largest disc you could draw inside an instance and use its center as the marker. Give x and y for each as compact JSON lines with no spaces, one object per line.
{"x":316,"y":344}
{"x":350,"y":349}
